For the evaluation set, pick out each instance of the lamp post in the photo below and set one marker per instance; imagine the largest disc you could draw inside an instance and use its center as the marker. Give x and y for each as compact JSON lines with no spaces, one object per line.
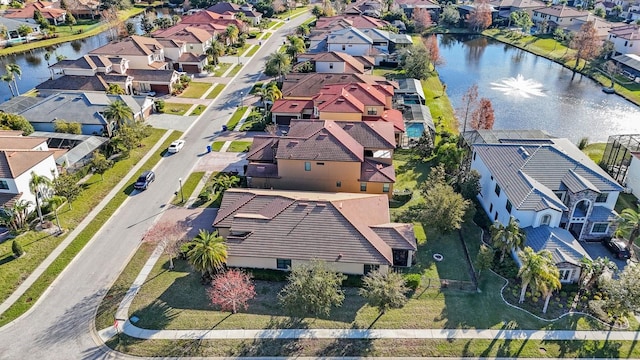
{"x":241,"y":98}
{"x":238,"y":57}
{"x":181,"y":193}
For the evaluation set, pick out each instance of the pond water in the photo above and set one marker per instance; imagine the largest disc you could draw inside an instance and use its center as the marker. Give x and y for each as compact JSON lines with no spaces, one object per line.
{"x":531,"y":92}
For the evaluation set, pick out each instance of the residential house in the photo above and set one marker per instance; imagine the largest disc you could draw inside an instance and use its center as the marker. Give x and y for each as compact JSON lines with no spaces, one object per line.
{"x":336,"y":62}
{"x":630,"y":65}
{"x":325,"y":156}
{"x":306,"y":86}
{"x":19,"y":157}
{"x":625,"y":39}
{"x":557,"y":16}
{"x":466,"y":10}
{"x":210,"y":17}
{"x":343,"y":21}
{"x":247,"y":10}
{"x":632,"y":180}
{"x":54,"y":15}
{"x":376,"y":43}
{"x":506,"y":7}
{"x":89,"y":73}
{"x":606,"y":6}
{"x":197,"y":40}
{"x":371,"y":8}
{"x":158,"y":81}
{"x":407,"y":6}
{"x":84,"y":9}
{"x":84,"y":108}
{"x":601,"y":25}
{"x":141,"y":52}
{"x":12,"y":36}
{"x":352,"y":233}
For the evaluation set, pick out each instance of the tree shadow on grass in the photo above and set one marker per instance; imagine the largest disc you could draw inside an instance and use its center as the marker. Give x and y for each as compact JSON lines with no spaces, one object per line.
{"x":276,"y":346}
{"x":156,"y":315}
{"x":349,"y":347}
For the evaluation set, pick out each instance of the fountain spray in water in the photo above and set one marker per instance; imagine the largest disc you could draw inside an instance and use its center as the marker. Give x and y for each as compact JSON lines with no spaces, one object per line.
{"x":519,"y":86}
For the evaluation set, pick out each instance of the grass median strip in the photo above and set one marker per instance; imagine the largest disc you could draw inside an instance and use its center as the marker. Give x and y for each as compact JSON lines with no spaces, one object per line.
{"x":253,"y":50}
{"x":236,"y":117}
{"x":236,"y":69}
{"x":216,"y":91}
{"x":198,"y":110}
{"x":221,"y":69}
{"x":188,"y":186}
{"x":176,"y":108}
{"x":36,"y":290}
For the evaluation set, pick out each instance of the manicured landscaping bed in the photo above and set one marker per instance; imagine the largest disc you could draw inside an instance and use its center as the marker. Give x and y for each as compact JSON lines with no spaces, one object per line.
{"x":188,"y":186}
{"x":216,"y":91}
{"x":236,"y":117}
{"x":195,"y":90}
{"x":176,"y":108}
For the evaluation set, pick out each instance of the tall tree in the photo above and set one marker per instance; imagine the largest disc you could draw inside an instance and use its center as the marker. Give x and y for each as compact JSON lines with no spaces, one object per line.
{"x":431,"y":44}
{"x":14,"y":69}
{"x":421,"y":18}
{"x":623,"y":293}
{"x":278,"y":64}
{"x":416,"y":62}
{"x":8,"y":78}
{"x":506,"y":238}
{"x":536,"y":268}
{"x":480,"y":18}
{"x":232,"y":290}
{"x":119,"y":112}
{"x":629,"y":227}
{"x":296,"y":46}
{"x":384,"y":290}
{"x":548,"y":282}
{"x":100,"y":164}
{"x":115,"y":89}
{"x":56,"y":201}
{"x":591,"y":270}
{"x":71,"y":20}
{"x":586,"y":43}
{"x":450,"y":15}
{"x":232,"y":33}
{"x":483,"y":116}
{"x":208,"y":252}
{"x":484,"y":260}
{"x":443,"y":208}
{"x":469,"y":103}
{"x":39,"y":185}
{"x":215,"y":51}
{"x":170,"y":235}
{"x":312,"y":288}
{"x":521,"y":19}
{"x":66,"y":185}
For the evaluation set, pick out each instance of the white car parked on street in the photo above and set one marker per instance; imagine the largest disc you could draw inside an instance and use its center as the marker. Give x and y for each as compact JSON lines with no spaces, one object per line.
{"x":175,"y":146}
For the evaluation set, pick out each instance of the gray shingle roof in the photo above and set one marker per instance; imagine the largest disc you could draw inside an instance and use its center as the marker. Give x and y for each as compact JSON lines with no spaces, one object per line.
{"x":603,"y":214}
{"x":562,"y":245}
{"x":308,"y":225}
{"x":530,"y":173}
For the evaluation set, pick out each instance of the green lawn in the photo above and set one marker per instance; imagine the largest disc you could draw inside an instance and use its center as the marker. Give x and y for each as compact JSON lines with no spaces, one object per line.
{"x":188,"y":186}
{"x":239,"y":146}
{"x":216,"y":91}
{"x":195,"y":90}
{"x":291,"y":13}
{"x":198,"y":110}
{"x":217,"y":145}
{"x":82,"y":206}
{"x":595,"y":151}
{"x":236,"y":69}
{"x":215,"y":200}
{"x":278,"y":26}
{"x":221,"y":69}
{"x":236,"y":117}
{"x":176,"y":108}
{"x":626,"y":201}
{"x":438,"y":102}
{"x":253,"y":51}
{"x":266,"y":35}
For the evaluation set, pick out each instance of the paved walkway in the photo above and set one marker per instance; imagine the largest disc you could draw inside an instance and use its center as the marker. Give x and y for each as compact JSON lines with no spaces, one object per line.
{"x":26,"y":284}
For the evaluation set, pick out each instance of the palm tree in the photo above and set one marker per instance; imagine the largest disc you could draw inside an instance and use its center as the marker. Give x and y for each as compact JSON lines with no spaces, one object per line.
{"x":592,"y":269}
{"x":231,"y":34}
{"x":278,"y":64}
{"x":16,"y":71}
{"x":629,"y":226}
{"x":38,"y":185}
{"x":303,"y":30}
{"x":224,"y":182}
{"x":8,"y":78}
{"x":535,"y":267}
{"x":215,"y":51}
{"x":296,"y":46}
{"x":119,"y":112}
{"x":208,"y":252}
{"x":272,"y":93}
{"x":15,"y":217}
{"x":56,"y":201}
{"x":548,"y":282}
{"x":506,"y":238}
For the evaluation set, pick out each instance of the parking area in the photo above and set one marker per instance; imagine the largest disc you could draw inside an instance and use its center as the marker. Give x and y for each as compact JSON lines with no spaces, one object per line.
{"x":596,"y":249}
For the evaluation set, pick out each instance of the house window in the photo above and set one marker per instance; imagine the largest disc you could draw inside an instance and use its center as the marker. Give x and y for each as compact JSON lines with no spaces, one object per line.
{"x":559,"y":194}
{"x":338,"y":183}
{"x":331,"y":64}
{"x":565,"y":275}
{"x":495,"y":218}
{"x":319,"y":164}
{"x":372,"y":111}
{"x":508,"y":206}
{"x":283,"y":264}
{"x":344,"y":47}
{"x":385,"y":188}
{"x":474,"y":156}
{"x":602,"y":198}
{"x":497,"y":189}
{"x":599,"y":228}
{"x":307,"y":166}
{"x":363,"y":186}
{"x":369,"y":268}
{"x":491,"y":208}
{"x":4,"y":185}
{"x":546,"y":219}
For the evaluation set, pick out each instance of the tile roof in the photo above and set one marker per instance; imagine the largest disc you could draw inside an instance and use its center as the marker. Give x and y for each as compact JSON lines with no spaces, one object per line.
{"x":560,"y":11}
{"x":603,"y":214}
{"x":397,"y":235}
{"x":75,"y":83}
{"x":352,"y":64}
{"x":563,"y":246}
{"x":308,"y":85}
{"x":191,"y":57}
{"x":342,"y":102}
{"x":358,"y":21}
{"x":263,"y":148}
{"x":184,"y":32}
{"x":8,"y":200}
{"x":392,"y":116}
{"x":29,"y":10}
{"x":372,"y":135}
{"x":152,"y":75}
{"x":289,"y":106}
{"x":310,"y":225}
{"x":529,"y":173}
{"x":133,"y":45}
{"x":628,"y":32}
{"x":330,"y":143}
{"x":375,"y":171}
{"x":367,"y":94}
{"x":14,"y":163}
{"x":349,"y":35}
{"x":209,"y":17}
{"x":20,"y":142}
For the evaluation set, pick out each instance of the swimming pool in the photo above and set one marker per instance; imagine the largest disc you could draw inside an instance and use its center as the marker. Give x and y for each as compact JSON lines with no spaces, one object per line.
{"x":415,"y":130}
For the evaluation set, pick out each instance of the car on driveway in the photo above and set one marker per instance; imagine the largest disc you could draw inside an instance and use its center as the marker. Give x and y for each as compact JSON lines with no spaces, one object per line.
{"x":618,"y":247}
{"x":144,"y":180}
{"x":176,"y":146}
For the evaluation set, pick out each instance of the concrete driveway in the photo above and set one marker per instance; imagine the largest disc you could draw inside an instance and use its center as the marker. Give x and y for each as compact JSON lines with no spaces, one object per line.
{"x":596,"y":249}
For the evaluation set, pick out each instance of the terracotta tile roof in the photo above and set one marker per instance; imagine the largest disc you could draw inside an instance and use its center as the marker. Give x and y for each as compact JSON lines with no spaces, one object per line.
{"x":286,"y":106}
{"x":357,"y":21}
{"x":263,"y":148}
{"x":306,"y":225}
{"x":628,"y":32}
{"x":184,"y":32}
{"x":367,"y":94}
{"x":75,"y":83}
{"x":8,"y":142}
{"x":11,"y":133}
{"x":330,"y":143}
{"x":374,"y":171}
{"x":397,"y":235}
{"x":352,"y":65}
{"x":308,"y":85}
{"x":371,"y":134}
{"x":152,"y":75}
{"x":209,"y":17}
{"x":392,"y":116}
{"x":29,"y":10}
{"x":338,"y":103}
{"x":14,"y":163}
{"x":191,"y":57}
{"x":133,"y":45}
{"x":560,"y":11}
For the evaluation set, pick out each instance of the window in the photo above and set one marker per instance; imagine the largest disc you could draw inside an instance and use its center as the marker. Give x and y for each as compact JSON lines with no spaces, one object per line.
{"x":338,"y":183}
{"x":491,"y":208}
{"x":599,"y":228}
{"x":495,"y":218}
{"x":385,"y":188}
{"x":369,"y":268}
{"x":331,"y":65}
{"x":4,"y":185}
{"x":565,"y":275}
{"x":474,"y":156}
{"x":546,"y":219}
{"x":602,"y":198}
{"x":497,"y":189}
{"x":307,"y":166}
{"x":284,"y":264}
{"x":344,"y":47}
{"x":509,"y":206}
{"x":363,"y":186}
{"x":320,"y":164}
{"x":372,"y":111}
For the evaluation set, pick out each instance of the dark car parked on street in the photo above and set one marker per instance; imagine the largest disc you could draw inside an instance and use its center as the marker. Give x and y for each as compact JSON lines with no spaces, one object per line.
{"x":144,"y":180}
{"x":618,"y":247}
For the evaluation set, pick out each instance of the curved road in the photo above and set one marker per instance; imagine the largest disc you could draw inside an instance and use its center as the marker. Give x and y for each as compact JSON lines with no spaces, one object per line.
{"x":59,"y":325}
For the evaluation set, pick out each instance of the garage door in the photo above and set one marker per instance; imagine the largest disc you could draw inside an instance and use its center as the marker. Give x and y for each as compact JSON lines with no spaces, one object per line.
{"x":192,"y":69}
{"x":283,"y":120}
{"x":160,"y":89}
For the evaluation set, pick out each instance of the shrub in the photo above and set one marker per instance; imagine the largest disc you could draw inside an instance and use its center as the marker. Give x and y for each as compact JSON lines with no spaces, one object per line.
{"x":595,"y":308}
{"x":16,"y":249}
{"x":413,"y":280}
{"x":563,"y":293}
{"x":160,"y":105}
{"x":535,"y":299}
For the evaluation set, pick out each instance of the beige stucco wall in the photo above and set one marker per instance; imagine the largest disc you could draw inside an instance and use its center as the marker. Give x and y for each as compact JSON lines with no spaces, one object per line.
{"x":271,"y":263}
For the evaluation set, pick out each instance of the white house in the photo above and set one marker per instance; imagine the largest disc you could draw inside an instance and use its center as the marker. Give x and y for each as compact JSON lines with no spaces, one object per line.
{"x":626,"y":39}
{"x":633,"y":175}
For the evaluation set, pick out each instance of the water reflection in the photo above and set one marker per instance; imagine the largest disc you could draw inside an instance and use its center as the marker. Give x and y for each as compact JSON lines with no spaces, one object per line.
{"x":533,"y":92}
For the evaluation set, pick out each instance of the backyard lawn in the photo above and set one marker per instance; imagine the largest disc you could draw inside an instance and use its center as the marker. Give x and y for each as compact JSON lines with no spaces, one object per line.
{"x":195,"y":90}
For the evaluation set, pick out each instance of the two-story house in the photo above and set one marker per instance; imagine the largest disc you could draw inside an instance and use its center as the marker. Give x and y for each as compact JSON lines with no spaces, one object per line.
{"x":625,"y":39}
{"x":253,"y":16}
{"x":278,"y":229}
{"x":550,"y":184}
{"x":141,"y":52}
{"x":557,"y":16}
{"x":53,"y":14}
{"x":506,"y":7}
{"x":376,"y":43}
{"x":335,"y":62}
{"x":325,"y":156}
{"x":210,"y":17}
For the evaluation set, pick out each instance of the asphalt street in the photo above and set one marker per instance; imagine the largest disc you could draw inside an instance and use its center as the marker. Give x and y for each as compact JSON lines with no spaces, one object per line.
{"x":60,"y":325}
